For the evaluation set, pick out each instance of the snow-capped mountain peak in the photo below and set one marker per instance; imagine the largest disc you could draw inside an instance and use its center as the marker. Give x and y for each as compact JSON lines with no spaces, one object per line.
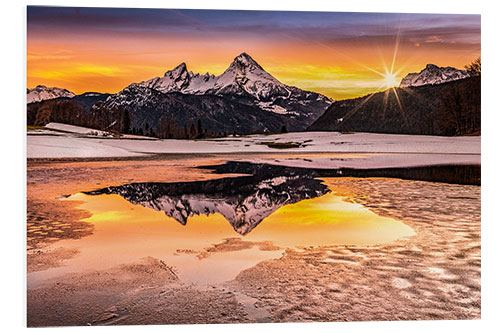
{"x":433,"y":74}
{"x":174,"y":80}
{"x":246,"y":76}
{"x":244,"y":61}
{"x":41,"y":93}
{"x":243,"y":77}
{"x":431,"y":67}
{"x":180,"y":70}
{"x":244,"y":82}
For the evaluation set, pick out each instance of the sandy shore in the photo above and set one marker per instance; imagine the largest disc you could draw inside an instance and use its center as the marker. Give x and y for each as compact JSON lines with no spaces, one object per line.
{"x":432,"y":275}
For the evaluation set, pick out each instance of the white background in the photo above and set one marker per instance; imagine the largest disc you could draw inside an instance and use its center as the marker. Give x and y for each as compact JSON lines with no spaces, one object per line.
{"x":13,"y":191}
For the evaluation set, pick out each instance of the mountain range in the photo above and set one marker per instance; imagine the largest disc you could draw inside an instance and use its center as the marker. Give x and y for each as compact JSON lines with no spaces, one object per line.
{"x":246,"y":99}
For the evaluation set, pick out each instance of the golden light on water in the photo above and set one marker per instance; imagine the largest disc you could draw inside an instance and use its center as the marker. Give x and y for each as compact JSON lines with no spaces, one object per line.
{"x":124,"y":233}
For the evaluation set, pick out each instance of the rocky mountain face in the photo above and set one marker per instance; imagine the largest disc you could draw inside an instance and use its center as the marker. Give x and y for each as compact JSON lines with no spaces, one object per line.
{"x":450,"y":108}
{"x":243,"y":201}
{"x":433,"y":74}
{"x":42,"y":93}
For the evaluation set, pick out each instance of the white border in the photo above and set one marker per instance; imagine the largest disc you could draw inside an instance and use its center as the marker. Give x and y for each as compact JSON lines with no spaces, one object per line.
{"x":13,"y":85}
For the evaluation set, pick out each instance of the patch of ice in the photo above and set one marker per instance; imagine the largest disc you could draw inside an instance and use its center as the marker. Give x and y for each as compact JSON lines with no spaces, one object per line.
{"x":401,"y":283}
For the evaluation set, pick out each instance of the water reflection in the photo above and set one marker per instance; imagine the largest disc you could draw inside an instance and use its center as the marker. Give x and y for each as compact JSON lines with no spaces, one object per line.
{"x":453,"y":174}
{"x":186,"y":225}
{"x":243,"y":201}
{"x":207,"y":249}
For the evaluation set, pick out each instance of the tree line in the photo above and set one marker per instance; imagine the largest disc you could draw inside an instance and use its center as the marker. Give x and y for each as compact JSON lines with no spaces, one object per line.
{"x":71,"y":112}
{"x":116,"y":119}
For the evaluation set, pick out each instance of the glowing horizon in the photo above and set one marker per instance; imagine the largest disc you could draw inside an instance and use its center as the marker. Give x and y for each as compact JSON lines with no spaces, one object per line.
{"x":340,"y":55}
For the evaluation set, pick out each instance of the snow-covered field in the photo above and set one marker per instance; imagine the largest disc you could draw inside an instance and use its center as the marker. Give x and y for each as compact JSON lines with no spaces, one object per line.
{"x":358,"y":150}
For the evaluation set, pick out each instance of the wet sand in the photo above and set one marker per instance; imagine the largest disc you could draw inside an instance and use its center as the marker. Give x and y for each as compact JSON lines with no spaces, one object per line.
{"x":432,"y":275}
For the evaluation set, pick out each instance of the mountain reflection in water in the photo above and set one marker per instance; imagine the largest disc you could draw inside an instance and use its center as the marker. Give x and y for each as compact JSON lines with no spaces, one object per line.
{"x":247,"y":200}
{"x":243,"y":201}
{"x":293,"y":208}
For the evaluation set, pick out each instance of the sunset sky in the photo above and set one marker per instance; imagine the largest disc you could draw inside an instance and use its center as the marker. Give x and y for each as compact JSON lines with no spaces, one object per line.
{"x":338,"y":54}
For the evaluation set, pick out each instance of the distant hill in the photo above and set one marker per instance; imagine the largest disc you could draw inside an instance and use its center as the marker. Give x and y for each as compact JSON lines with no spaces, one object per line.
{"x":42,"y":93}
{"x":433,"y":74}
{"x":451,"y":108}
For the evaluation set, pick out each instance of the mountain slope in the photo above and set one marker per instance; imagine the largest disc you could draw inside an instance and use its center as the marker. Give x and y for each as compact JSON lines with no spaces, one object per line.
{"x":218,"y":114}
{"x":451,"y":108}
{"x":433,"y":74}
{"x":41,"y":93}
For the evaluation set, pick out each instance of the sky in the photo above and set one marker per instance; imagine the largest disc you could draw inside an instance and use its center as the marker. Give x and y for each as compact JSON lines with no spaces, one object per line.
{"x":341,"y":55}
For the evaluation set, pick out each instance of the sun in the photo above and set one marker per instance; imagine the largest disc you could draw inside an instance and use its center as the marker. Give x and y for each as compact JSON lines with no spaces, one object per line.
{"x":390,"y":80}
